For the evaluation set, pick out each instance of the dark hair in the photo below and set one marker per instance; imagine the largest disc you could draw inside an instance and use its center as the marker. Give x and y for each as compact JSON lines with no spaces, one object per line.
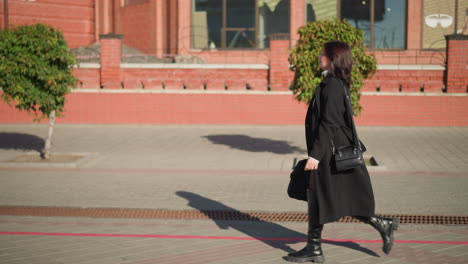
{"x":341,"y":60}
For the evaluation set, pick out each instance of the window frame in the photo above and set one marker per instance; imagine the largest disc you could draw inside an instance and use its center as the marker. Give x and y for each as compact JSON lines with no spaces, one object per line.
{"x":225,"y":29}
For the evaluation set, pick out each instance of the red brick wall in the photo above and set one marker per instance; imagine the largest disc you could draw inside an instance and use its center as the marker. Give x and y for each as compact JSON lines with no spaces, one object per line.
{"x":88,"y":78}
{"x":414,"y":110}
{"x":280,"y":75}
{"x":234,"y":56}
{"x":176,"y":79}
{"x":210,"y":79}
{"x":408,"y":80}
{"x":457,"y":64}
{"x":137,"y":26}
{"x":266,"y":109}
{"x":74,"y":18}
{"x":257,"y":79}
{"x":413,"y":56}
{"x":111,"y":50}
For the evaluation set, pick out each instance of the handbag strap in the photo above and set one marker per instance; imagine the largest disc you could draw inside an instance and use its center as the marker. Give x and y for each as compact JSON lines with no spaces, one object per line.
{"x":350,"y":111}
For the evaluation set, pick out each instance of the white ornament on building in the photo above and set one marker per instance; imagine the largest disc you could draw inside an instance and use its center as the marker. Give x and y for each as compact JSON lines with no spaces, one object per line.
{"x":434,"y":20}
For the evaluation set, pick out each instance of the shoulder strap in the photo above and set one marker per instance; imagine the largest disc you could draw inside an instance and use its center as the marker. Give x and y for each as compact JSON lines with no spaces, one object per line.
{"x":316,"y":98}
{"x":349,"y":110}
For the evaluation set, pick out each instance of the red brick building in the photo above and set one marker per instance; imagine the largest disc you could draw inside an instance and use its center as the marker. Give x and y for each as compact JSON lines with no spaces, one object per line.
{"x":219,"y":60}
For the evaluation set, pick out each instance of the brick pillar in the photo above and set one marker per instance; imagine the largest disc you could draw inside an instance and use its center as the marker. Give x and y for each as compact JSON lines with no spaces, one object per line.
{"x":457,"y":63}
{"x":415,"y":26}
{"x":297,"y":19}
{"x":160,"y":27}
{"x":280,"y":75}
{"x":111,"y":50}
{"x":184,"y":30}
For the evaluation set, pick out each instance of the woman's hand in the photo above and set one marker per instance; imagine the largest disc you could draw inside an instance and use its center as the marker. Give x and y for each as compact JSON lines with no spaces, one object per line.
{"x":312,"y":164}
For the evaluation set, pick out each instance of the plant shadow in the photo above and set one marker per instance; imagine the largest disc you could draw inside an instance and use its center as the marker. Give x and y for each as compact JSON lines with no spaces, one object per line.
{"x":19,"y":141}
{"x":247,"y":143}
{"x":272,"y":234}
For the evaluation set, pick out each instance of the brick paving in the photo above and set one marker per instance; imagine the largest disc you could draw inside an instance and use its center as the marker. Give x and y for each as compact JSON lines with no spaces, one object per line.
{"x":235,"y":168}
{"x":221,"y":147}
{"x":343,"y":243}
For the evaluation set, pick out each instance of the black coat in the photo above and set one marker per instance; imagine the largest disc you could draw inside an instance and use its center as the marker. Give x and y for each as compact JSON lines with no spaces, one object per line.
{"x":337,"y":194}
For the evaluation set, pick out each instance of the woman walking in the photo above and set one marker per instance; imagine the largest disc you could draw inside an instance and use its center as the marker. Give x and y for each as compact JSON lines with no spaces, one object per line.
{"x":332,"y":194}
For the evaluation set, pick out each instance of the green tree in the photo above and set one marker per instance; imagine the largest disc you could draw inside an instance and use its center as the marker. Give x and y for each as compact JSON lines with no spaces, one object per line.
{"x":304,"y":58}
{"x":36,"y":73}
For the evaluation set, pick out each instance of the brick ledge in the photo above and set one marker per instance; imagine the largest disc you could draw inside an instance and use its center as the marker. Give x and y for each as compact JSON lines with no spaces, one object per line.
{"x":153,"y":91}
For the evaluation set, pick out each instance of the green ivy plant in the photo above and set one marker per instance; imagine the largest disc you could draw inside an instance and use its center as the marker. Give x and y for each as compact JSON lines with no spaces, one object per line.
{"x":35,"y":72}
{"x":304,"y":58}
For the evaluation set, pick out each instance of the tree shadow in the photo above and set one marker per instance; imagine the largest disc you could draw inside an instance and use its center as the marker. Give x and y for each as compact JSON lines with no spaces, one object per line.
{"x":252,"y":144}
{"x":272,"y":234}
{"x":18,"y":141}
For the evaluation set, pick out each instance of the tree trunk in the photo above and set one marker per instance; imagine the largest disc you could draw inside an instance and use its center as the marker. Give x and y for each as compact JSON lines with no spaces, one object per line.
{"x":48,"y":143}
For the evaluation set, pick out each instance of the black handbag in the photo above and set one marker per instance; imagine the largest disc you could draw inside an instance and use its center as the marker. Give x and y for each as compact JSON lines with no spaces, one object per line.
{"x":297,"y":188}
{"x":349,"y":156}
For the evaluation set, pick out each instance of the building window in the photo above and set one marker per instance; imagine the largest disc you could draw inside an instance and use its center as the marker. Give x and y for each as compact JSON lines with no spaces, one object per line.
{"x":384,"y":25}
{"x":319,"y":9}
{"x":230,"y":24}
{"x":134,"y":2}
{"x":440,"y":18}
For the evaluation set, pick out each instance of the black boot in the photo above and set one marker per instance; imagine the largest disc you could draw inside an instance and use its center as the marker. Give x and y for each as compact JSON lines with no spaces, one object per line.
{"x":312,"y":252}
{"x":385,"y":226}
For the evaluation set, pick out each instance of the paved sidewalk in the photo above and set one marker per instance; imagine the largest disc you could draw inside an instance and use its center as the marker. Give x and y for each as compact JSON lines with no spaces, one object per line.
{"x":221,"y":147}
{"x":56,"y":240}
{"x":246,"y":168}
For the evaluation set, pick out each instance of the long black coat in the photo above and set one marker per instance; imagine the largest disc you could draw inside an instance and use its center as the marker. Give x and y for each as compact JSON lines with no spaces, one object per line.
{"x":337,"y":194}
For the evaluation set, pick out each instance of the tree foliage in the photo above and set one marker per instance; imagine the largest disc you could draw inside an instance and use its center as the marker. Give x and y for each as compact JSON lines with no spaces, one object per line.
{"x":35,"y":69}
{"x":304,"y":58}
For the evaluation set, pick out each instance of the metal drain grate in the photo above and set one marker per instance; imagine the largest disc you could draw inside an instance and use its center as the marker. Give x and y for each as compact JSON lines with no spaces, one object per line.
{"x":207,"y":214}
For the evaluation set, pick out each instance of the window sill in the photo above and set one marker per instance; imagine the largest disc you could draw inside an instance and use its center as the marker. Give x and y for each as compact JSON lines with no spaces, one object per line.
{"x":227,"y":49}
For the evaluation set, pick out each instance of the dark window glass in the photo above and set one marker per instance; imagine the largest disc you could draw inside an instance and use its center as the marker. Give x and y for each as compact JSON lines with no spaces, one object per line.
{"x":240,"y":13}
{"x":273,"y":18}
{"x":238,"y":23}
{"x":207,"y":20}
{"x":390,"y":24}
{"x":357,"y":12}
{"x":387,"y":30}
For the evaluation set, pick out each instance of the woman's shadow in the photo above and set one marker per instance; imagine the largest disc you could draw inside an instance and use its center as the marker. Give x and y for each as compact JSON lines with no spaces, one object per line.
{"x":272,"y":234}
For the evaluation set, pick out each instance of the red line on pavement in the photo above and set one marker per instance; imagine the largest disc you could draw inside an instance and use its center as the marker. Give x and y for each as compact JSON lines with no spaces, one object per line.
{"x":227,"y":238}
